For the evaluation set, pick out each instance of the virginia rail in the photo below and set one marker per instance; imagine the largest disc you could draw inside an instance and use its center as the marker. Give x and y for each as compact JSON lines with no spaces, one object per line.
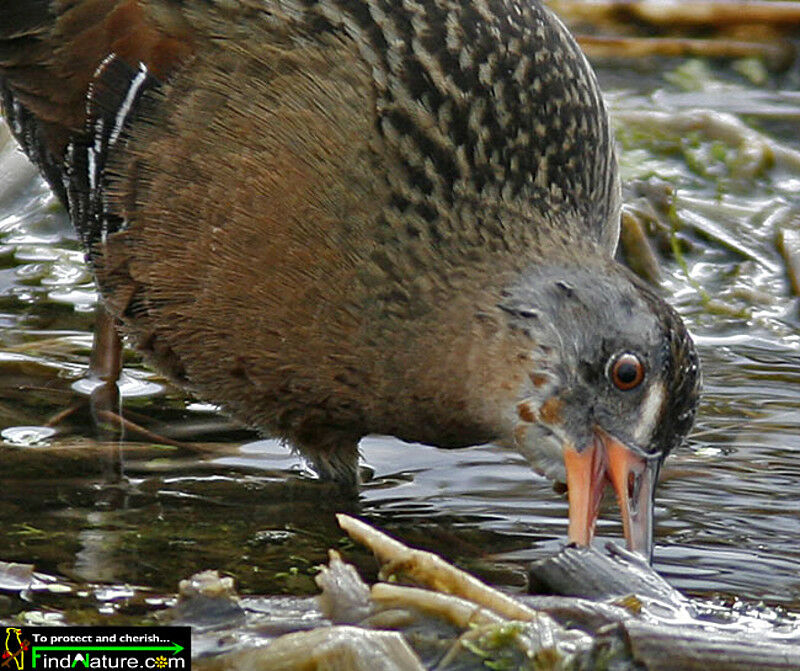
{"x":342,"y":217}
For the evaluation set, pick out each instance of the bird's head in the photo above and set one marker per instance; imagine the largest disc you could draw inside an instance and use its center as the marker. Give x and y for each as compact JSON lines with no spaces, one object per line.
{"x":612,"y":386}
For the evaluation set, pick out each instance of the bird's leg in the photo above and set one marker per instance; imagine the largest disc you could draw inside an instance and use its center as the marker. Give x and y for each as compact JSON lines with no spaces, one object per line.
{"x":105,"y":366}
{"x":334,"y":459}
{"x":106,"y":359}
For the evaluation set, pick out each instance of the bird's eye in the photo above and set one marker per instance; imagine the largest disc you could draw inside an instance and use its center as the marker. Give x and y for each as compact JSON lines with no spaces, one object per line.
{"x":626,"y":371}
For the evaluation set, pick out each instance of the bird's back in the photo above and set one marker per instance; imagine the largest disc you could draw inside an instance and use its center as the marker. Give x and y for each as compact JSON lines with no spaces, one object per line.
{"x":485,"y":101}
{"x":308,"y":197}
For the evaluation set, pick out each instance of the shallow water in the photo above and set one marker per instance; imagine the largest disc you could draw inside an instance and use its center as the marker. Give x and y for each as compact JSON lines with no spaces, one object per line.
{"x":727,"y":520}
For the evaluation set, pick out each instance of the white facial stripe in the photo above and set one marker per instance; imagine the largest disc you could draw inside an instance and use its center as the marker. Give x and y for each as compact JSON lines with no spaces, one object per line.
{"x":649,"y":414}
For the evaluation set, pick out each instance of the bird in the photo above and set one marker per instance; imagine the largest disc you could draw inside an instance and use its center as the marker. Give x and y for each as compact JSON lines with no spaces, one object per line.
{"x":335,"y":218}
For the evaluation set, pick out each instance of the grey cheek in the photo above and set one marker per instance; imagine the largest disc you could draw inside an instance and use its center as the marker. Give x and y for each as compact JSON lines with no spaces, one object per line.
{"x":543,"y":450}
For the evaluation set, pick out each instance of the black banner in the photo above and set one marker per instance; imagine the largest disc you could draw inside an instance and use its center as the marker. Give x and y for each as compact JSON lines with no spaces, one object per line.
{"x":78,"y":648}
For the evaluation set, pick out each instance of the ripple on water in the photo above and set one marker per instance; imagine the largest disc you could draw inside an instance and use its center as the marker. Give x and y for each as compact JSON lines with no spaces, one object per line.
{"x":27,"y":436}
{"x":726,"y":515}
{"x":130,"y":386}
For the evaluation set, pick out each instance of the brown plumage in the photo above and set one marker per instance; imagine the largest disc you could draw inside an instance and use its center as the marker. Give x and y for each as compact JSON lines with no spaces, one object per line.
{"x":339,"y":217}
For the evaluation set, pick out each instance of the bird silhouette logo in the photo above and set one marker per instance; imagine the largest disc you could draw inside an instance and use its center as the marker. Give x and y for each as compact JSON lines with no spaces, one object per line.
{"x":15,"y":649}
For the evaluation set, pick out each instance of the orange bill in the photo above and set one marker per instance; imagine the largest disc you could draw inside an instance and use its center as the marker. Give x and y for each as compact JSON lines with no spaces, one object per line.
{"x":586,"y":479}
{"x":633,"y":478}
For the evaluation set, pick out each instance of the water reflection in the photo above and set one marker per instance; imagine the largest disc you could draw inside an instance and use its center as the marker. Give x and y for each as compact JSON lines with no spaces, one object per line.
{"x":726,"y":515}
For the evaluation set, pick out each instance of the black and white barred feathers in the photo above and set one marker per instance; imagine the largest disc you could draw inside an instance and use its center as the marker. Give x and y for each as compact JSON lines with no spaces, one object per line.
{"x":489,"y":101}
{"x":490,"y":104}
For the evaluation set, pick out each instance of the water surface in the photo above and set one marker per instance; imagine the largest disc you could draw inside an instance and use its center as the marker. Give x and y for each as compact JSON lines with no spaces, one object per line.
{"x":121,"y":523}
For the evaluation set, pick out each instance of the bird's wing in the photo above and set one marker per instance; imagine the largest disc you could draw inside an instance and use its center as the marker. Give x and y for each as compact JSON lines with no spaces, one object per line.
{"x":51,"y":51}
{"x":114,"y":100}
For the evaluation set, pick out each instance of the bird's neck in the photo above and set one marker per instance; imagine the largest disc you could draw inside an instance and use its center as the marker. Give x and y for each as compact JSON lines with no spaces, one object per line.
{"x":453,"y":371}
{"x":459,"y":363}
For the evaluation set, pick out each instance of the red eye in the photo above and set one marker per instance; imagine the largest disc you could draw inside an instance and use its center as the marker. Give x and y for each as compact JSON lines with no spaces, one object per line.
{"x":627,"y":371}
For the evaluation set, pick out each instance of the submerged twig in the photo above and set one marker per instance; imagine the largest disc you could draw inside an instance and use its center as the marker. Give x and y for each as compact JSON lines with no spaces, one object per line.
{"x":711,"y":12}
{"x":459,"y":612}
{"x":637,"y":249}
{"x":758,"y":150}
{"x":661,"y":647}
{"x":776,"y":55}
{"x":140,"y":431}
{"x":339,"y":648}
{"x":789,"y":246}
{"x":430,"y":570}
